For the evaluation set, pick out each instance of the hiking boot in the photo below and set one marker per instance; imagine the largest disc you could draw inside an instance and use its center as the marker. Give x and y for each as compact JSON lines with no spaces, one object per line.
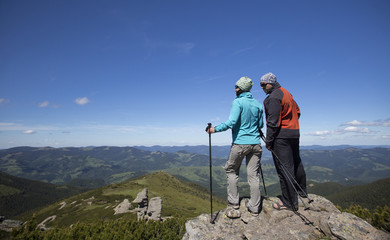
{"x":255,"y":214}
{"x":232,"y":213}
{"x":234,"y":206}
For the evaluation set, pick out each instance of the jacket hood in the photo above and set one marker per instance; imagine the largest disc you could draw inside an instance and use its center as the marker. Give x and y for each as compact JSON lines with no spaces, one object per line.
{"x":245,"y":94}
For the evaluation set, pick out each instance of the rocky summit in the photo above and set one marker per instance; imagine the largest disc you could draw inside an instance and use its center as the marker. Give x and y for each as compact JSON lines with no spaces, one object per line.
{"x":319,"y":219}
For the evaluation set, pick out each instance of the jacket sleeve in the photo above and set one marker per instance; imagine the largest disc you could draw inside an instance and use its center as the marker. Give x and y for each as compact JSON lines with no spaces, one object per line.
{"x":233,"y":118}
{"x":298,"y":110}
{"x":261,"y":122}
{"x":273,"y":120}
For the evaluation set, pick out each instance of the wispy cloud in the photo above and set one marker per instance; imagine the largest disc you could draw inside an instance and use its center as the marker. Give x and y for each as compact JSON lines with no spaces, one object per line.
{"x":341,"y":131}
{"x":10,"y":126}
{"x":380,"y":123}
{"x":29,"y":132}
{"x":178,"y":47}
{"x":321,"y":133}
{"x":3,"y":100}
{"x":82,"y":100}
{"x":356,"y":130}
{"x":44,"y":104}
{"x":242,"y":50}
{"x":355,"y":126}
{"x":185,"y":48}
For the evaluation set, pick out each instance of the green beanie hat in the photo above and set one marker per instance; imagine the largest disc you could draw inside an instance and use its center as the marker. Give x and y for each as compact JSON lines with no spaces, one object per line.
{"x":245,"y":84}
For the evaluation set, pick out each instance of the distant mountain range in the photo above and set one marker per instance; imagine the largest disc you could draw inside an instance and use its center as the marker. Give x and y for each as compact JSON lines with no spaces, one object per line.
{"x":223,"y":151}
{"x":180,"y":198}
{"x":110,"y":164}
{"x":116,"y":164}
{"x":98,"y":166}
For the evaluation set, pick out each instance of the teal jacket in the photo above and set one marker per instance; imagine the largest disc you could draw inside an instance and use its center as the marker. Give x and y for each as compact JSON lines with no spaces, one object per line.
{"x":245,"y":120}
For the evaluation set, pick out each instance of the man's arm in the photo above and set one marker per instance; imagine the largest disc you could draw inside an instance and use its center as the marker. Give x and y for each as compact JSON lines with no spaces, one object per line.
{"x":273,"y":120}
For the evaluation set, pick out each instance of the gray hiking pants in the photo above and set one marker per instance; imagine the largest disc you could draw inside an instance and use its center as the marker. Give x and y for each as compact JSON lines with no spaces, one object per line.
{"x":232,"y":167}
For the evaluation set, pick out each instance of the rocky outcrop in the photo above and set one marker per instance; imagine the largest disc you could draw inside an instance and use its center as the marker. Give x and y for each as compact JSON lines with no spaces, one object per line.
{"x":142,"y":201}
{"x":154,"y":209}
{"x":8,"y":225}
{"x":321,"y":220}
{"x":42,"y":225}
{"x":123,"y":207}
{"x":148,"y":210}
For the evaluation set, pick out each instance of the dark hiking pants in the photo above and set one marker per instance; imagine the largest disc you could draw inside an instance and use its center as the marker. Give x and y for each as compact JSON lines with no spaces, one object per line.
{"x":287,"y":150}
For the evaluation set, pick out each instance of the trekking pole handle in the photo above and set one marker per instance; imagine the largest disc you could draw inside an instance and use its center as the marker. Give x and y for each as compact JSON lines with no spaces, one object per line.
{"x":208,"y":126}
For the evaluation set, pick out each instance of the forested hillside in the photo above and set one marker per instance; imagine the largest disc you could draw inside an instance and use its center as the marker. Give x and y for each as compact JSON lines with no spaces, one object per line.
{"x":179,"y":199}
{"x":18,"y":195}
{"x":102,"y":165}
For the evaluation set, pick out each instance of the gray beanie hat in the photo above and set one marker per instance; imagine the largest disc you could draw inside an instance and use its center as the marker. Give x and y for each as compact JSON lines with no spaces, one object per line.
{"x":268,"y":78}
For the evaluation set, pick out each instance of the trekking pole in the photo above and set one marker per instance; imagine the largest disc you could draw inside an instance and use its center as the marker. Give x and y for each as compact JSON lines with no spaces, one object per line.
{"x":262,"y":177}
{"x":211,"y":183}
{"x":289,"y":176}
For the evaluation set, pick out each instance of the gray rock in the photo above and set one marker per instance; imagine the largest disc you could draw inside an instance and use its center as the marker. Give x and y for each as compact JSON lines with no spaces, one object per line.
{"x":348,"y":226}
{"x":123,"y":207}
{"x":142,"y":201}
{"x":321,"y":220}
{"x":141,"y":196}
{"x":8,"y":225}
{"x":154,"y":209}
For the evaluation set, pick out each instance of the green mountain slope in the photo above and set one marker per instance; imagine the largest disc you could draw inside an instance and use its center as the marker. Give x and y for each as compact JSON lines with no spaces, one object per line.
{"x":367,"y":195}
{"x":98,"y":166}
{"x":179,"y":199}
{"x":364,"y":165}
{"x":102,"y":165}
{"x":18,"y":195}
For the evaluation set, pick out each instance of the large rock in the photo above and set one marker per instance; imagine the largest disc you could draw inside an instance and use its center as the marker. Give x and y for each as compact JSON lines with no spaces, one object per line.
{"x":123,"y":207}
{"x":142,"y":201}
{"x":8,"y":225}
{"x":141,"y":196}
{"x":321,"y":220}
{"x":154,"y":209}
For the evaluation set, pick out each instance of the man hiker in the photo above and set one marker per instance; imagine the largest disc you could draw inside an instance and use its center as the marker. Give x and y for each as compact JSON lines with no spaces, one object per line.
{"x":246,"y":121}
{"x":282,"y":114}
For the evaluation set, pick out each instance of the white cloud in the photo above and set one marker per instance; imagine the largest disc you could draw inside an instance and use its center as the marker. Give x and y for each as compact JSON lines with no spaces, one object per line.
{"x":346,"y":130}
{"x":3,"y":100}
{"x":29,"y":132}
{"x":81,"y":101}
{"x":44,"y":104}
{"x":241,"y":51}
{"x":178,"y":47}
{"x":357,"y":130}
{"x":354,"y":126}
{"x":185,"y":47}
{"x":379,"y":123}
{"x":9,"y":126}
{"x":320,"y":133}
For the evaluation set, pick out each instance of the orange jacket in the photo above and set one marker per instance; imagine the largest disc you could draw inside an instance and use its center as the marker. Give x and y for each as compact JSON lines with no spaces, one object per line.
{"x":282,"y":114}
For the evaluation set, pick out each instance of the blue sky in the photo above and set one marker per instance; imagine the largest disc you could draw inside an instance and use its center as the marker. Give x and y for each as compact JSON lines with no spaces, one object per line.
{"x":125,"y":73}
